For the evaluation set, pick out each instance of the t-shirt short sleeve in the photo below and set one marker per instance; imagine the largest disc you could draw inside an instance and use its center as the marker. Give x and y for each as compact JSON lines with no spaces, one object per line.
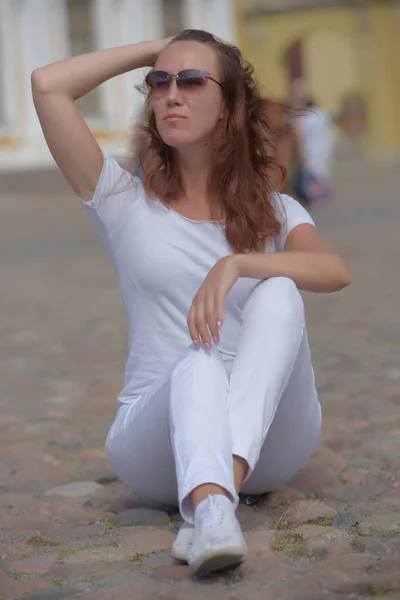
{"x":290,"y":213}
{"x":116,"y":193}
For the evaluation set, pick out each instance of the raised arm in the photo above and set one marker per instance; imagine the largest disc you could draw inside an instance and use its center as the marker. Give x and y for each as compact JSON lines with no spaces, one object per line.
{"x":55,"y":89}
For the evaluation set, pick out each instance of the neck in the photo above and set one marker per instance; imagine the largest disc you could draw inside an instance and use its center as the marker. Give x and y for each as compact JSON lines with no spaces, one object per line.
{"x":195,"y":171}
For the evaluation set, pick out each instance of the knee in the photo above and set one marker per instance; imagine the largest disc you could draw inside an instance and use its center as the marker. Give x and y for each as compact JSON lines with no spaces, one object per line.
{"x":278,"y":296}
{"x":200,"y":359}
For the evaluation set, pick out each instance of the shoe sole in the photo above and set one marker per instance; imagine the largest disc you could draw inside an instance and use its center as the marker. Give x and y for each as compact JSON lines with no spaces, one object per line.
{"x":218,"y":560}
{"x":180,"y":556}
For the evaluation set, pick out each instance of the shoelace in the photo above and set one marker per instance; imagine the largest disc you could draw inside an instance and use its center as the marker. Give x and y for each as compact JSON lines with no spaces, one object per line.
{"x":214,"y":514}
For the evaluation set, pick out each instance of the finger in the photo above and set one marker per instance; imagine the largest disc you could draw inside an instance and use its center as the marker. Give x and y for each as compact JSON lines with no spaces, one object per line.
{"x":201,"y":325}
{"x":220,"y":309}
{"x":211,"y":318}
{"x":194,"y":334}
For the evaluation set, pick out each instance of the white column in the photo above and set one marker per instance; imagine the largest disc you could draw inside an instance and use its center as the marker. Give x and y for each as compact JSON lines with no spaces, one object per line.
{"x":58,"y":30}
{"x":9,"y":124}
{"x":106,"y":24}
{"x":35,"y":52}
{"x":215,"y":16}
{"x":139,"y":21}
{"x":152,"y":19}
{"x":223,"y":19}
{"x":196,"y":14}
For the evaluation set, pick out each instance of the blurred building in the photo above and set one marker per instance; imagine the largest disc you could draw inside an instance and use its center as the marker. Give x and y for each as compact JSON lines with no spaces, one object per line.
{"x":343,"y":53}
{"x":36,"y":32}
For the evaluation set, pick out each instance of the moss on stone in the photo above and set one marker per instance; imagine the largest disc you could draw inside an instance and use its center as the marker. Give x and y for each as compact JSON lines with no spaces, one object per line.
{"x":279,"y":545}
{"x":139,"y":557}
{"x":321,"y":521}
{"x":110,"y":521}
{"x":38,"y":542}
{"x":63,"y":552}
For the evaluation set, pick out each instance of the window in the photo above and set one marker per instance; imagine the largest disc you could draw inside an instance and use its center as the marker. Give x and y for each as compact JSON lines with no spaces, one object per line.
{"x":82,"y":38}
{"x":172,"y":17}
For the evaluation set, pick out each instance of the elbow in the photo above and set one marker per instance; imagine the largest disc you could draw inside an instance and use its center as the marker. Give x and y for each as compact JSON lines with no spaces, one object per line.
{"x":343,"y":275}
{"x":39,"y":82}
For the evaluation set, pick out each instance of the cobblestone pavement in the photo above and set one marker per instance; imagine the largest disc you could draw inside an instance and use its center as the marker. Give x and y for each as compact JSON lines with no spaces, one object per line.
{"x":69,"y":529}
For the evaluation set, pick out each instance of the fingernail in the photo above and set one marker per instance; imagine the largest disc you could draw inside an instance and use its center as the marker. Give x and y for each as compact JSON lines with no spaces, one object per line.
{"x":208,"y":345}
{"x":215,"y":340}
{"x":219,"y":324}
{"x":196,"y":343}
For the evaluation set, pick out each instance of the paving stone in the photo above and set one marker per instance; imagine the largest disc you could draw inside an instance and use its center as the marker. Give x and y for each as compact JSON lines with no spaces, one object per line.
{"x":105,"y":478}
{"x":380,"y":526}
{"x":382,"y":506}
{"x":342,"y":568}
{"x":76,"y":489}
{"x":34,"y":565}
{"x":145,"y":540}
{"x":326,"y":457}
{"x":11,"y":587}
{"x":355,"y":476}
{"x":252,"y":518}
{"x":379,"y":582}
{"x":66,"y":535}
{"x":345,"y":519}
{"x":102,"y":500}
{"x":142,"y":516}
{"x":305,"y":511}
{"x":263,"y":568}
{"x":171,"y":573}
{"x":260,"y":542}
{"x":158,"y":560}
{"x":281,"y":498}
{"x":393,"y":492}
{"x":383,"y":548}
{"x":350,"y":493}
{"x":123,"y":503}
{"x":313,"y":479}
{"x":101,"y":554}
{"x":319,"y":533}
{"x":322,"y":549}
{"x":302,"y":587}
{"x":90,"y":571}
{"x":54,"y":593}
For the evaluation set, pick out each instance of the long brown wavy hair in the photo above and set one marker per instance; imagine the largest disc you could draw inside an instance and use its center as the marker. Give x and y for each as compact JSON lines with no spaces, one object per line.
{"x":245,"y":162}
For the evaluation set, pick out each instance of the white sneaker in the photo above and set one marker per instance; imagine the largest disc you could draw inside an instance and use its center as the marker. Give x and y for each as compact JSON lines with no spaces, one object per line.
{"x":183,"y":541}
{"x":218,"y":541}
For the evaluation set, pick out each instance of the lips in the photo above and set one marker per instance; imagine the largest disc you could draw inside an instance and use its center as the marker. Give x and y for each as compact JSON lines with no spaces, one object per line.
{"x":173,"y":116}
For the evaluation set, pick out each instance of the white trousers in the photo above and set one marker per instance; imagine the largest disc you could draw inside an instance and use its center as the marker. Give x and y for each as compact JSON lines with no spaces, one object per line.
{"x":184,"y":430}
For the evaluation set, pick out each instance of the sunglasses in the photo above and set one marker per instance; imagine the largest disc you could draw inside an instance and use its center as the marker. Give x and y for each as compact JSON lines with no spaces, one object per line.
{"x":189,"y":81}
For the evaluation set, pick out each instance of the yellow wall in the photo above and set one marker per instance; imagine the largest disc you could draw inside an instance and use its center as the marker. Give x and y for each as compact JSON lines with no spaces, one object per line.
{"x":345,"y":52}
{"x":331,"y":67}
{"x":382,"y":82}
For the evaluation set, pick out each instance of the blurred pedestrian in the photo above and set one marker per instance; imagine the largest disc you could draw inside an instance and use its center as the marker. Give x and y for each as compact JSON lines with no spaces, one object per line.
{"x":316,"y":135}
{"x":219,"y":393}
{"x":289,"y":152}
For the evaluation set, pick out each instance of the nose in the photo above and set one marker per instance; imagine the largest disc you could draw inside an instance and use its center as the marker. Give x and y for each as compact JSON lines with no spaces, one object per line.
{"x":174,"y":96}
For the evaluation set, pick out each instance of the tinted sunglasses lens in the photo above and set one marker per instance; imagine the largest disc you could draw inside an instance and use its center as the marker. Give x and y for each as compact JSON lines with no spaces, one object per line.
{"x":191,"y":80}
{"x":159,"y":81}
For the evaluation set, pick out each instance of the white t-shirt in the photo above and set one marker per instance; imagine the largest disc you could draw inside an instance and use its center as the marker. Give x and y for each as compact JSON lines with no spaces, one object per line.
{"x":161,"y":259}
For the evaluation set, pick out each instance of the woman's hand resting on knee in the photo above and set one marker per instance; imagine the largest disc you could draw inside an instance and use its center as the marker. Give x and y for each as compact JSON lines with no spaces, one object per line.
{"x":206,"y":314}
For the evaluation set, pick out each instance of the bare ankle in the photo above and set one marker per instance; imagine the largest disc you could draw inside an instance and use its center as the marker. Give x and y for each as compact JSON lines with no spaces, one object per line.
{"x":203,"y":491}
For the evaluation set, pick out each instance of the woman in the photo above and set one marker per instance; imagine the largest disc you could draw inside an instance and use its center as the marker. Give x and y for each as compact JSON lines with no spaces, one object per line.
{"x":219,"y":392}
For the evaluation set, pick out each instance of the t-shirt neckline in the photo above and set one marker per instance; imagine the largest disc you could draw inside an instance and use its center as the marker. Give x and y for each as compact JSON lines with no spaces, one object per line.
{"x":178,"y":214}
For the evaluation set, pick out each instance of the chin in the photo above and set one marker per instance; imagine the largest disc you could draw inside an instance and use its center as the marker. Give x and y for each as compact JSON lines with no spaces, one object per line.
{"x":176,"y":139}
